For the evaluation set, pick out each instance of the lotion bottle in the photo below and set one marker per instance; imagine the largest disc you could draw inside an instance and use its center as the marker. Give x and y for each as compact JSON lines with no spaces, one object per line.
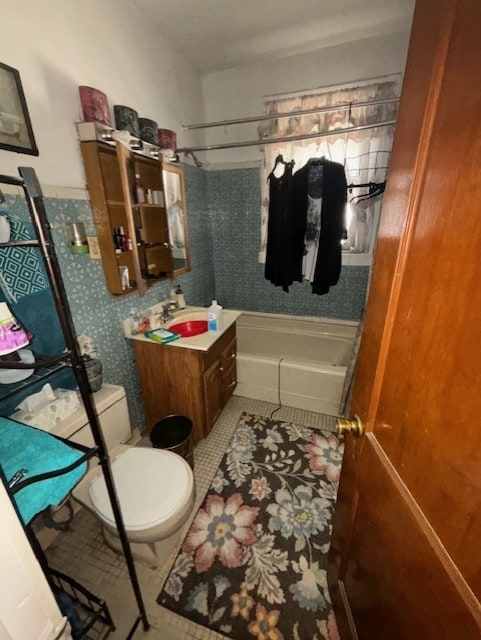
{"x":180,"y":297}
{"x":214,"y":316}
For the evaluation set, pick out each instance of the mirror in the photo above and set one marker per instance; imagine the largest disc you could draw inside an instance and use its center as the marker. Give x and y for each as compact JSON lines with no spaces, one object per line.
{"x":174,"y":192}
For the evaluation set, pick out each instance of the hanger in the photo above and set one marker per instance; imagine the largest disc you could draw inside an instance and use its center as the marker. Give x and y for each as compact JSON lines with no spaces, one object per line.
{"x":280,"y":160}
{"x":375,"y":189}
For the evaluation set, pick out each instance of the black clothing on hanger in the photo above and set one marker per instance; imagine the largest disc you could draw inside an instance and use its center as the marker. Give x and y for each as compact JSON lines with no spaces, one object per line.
{"x":279,"y":227}
{"x":334,"y":198}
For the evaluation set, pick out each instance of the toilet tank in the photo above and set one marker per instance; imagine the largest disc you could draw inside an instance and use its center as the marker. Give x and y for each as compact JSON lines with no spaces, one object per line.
{"x":112,"y":410}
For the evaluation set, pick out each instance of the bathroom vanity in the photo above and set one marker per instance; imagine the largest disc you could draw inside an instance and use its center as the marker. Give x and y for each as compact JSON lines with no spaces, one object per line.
{"x":193,"y":377}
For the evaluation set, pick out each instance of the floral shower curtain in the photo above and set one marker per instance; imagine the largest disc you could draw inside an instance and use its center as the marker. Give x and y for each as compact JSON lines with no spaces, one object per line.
{"x":364,"y":154}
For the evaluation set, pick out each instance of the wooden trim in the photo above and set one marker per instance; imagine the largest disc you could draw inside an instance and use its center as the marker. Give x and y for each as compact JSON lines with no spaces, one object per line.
{"x":415,"y":195}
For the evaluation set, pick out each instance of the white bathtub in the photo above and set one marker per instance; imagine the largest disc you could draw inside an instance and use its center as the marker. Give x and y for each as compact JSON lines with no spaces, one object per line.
{"x":306,"y":358}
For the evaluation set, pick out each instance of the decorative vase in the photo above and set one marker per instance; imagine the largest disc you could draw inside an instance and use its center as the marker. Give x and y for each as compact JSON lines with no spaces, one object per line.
{"x":93,"y":367}
{"x":95,"y":107}
{"x":167,"y":139}
{"x":148,"y":130}
{"x":127,"y":119}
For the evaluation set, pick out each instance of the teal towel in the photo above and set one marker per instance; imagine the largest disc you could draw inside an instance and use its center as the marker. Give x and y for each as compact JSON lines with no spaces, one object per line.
{"x":23,"y":447}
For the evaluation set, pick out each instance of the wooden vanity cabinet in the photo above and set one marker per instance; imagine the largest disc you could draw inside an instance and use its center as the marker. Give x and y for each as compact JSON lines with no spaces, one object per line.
{"x":146,"y":251}
{"x":193,"y":383}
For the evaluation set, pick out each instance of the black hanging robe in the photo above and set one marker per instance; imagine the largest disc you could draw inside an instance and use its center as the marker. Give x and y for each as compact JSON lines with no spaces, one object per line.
{"x":333,"y":189}
{"x":279,"y":252}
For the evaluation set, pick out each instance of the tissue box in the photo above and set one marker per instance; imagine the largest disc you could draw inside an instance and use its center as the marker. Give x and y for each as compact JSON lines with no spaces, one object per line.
{"x":47,"y":415}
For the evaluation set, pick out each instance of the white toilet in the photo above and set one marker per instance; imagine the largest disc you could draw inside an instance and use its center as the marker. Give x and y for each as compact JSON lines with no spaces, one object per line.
{"x":155,"y":487}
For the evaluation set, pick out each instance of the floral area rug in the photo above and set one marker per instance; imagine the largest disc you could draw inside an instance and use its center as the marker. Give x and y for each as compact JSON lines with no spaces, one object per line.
{"x":253,"y":563}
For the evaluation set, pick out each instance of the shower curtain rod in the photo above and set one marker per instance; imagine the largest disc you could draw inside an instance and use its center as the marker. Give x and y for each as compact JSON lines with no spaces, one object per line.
{"x":262,"y":142}
{"x":288,"y":114}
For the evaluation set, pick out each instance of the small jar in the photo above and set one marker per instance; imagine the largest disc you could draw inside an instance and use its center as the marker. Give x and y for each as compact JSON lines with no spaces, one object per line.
{"x":144,"y":321}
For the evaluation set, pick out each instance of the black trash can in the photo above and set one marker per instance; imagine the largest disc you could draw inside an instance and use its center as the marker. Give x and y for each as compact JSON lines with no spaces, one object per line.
{"x":175,"y":434}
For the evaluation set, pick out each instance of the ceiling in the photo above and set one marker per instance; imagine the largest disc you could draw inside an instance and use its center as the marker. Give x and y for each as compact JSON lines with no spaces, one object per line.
{"x":220,"y":34}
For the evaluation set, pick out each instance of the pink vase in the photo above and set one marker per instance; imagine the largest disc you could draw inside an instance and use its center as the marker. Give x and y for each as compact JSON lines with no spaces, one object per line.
{"x":95,"y":107}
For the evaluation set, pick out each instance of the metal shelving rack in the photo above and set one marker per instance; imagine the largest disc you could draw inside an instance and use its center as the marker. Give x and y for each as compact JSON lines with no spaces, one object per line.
{"x":47,"y":366}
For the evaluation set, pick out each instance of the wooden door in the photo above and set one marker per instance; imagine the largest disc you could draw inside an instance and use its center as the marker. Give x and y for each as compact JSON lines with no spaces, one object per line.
{"x":405,"y":560}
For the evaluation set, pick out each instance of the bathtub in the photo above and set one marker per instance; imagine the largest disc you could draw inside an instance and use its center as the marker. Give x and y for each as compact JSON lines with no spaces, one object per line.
{"x":305,"y":358}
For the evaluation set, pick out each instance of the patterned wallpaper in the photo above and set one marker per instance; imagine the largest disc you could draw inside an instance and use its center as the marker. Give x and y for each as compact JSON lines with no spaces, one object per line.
{"x":96,"y":312}
{"x":223,"y":214}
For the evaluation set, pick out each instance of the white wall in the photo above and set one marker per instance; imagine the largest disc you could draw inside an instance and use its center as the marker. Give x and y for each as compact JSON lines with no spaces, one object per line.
{"x":28,"y":610}
{"x":240,"y":92}
{"x":58,"y":45}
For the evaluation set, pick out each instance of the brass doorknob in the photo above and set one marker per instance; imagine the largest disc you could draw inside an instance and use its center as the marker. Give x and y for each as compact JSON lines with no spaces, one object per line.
{"x":353,"y":425}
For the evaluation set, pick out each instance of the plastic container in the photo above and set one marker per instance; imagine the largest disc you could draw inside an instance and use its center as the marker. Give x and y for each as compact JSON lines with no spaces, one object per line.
{"x":134,"y":321}
{"x":214,"y":316}
{"x":175,"y":434}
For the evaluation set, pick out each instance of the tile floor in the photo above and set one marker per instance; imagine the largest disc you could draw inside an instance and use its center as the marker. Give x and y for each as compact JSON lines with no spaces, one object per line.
{"x":82,"y":553}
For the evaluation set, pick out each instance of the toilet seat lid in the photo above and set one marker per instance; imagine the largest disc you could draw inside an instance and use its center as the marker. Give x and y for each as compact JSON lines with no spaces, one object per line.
{"x":151,"y":484}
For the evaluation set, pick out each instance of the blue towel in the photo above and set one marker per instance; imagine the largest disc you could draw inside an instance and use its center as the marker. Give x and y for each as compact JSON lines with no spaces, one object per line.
{"x":23,"y":447}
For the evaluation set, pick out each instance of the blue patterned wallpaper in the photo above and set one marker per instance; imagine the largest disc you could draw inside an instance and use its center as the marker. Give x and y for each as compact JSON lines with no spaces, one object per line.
{"x":223,"y":215}
{"x":233,"y":198}
{"x":96,"y":312}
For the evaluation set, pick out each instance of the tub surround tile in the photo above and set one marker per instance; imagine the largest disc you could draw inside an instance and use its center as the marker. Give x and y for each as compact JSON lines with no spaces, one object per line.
{"x":233,"y":198}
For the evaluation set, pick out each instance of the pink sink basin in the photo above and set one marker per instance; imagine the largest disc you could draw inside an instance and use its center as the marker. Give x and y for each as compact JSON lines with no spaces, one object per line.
{"x":189,"y":328}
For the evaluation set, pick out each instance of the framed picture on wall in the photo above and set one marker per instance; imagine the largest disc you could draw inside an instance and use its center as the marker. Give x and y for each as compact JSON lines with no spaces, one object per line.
{"x":16,"y":132}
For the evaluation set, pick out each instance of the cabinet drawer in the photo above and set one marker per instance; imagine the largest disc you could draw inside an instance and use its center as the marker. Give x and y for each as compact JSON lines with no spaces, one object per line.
{"x":218,"y":348}
{"x":228,"y":355}
{"x":227,"y":360}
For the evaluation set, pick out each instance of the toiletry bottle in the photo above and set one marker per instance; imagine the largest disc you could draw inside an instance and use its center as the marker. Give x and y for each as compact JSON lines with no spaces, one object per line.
{"x":214,"y":316}
{"x":180,"y":297}
{"x":139,"y":190}
{"x":144,"y":321}
{"x":134,"y":321}
{"x":173,"y":296}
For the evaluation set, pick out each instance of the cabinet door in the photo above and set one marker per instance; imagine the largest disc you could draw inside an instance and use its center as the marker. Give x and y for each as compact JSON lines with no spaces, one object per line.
{"x":229,"y":381}
{"x":213,"y":394}
{"x":150,"y":220}
{"x":126,"y":164}
{"x":133,"y":237}
{"x":111,"y":212}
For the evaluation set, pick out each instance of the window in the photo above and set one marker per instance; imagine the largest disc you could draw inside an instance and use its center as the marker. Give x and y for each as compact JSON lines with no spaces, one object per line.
{"x":364,"y":153}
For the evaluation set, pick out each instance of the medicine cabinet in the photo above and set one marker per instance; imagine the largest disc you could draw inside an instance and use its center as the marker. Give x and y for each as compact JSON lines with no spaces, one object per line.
{"x":138,"y":246}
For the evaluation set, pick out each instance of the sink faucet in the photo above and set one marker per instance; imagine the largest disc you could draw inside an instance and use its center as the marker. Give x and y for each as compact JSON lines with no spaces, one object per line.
{"x":167,"y":309}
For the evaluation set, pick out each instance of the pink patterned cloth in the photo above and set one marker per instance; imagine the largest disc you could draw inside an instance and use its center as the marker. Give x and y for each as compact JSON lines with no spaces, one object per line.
{"x":12,"y":335}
